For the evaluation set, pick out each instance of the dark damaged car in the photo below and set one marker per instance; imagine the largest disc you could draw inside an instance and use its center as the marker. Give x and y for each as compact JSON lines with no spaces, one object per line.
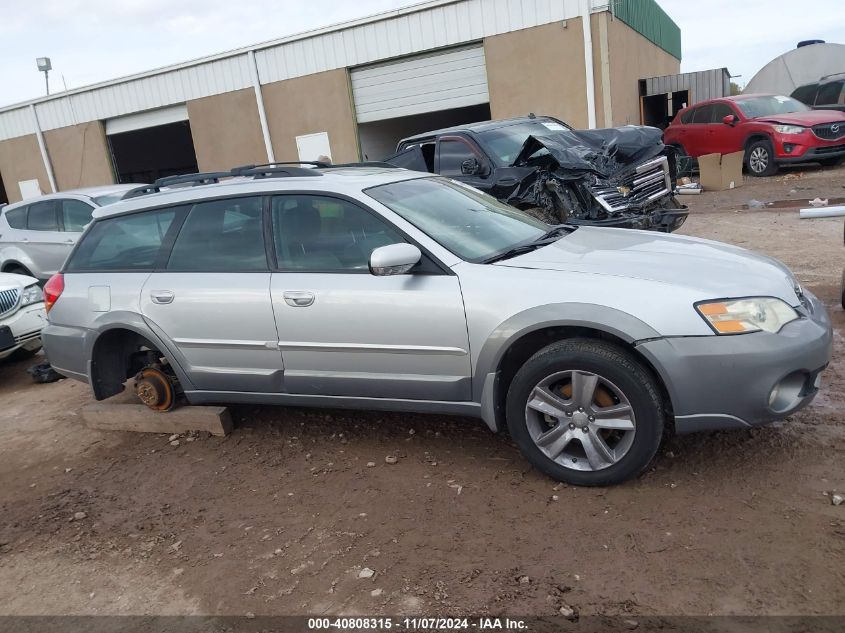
{"x":618,"y":177}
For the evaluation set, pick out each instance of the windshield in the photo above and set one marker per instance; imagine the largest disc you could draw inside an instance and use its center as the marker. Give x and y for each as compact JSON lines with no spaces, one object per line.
{"x":470,"y":224}
{"x":505,"y":142}
{"x":769,"y":106}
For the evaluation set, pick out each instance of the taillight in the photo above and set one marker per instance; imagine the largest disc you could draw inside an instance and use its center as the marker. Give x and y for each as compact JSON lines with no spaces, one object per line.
{"x":53,"y":290}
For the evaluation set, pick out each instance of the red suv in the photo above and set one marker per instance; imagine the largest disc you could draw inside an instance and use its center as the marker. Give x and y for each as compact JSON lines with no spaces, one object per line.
{"x":771,"y":129}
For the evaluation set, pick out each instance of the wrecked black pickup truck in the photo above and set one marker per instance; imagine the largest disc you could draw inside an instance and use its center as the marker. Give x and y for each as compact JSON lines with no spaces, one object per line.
{"x":617,"y":177}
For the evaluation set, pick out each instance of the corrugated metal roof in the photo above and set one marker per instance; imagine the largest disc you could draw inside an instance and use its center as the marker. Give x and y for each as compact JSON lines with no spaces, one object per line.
{"x":414,"y":29}
{"x":703,"y":84}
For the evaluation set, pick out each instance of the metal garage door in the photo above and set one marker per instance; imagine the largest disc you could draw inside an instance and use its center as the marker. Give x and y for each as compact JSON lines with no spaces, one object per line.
{"x":451,"y":79}
{"x":149,"y":118}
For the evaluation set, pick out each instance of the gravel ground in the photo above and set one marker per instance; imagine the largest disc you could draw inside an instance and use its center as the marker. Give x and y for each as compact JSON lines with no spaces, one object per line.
{"x":282,"y":516}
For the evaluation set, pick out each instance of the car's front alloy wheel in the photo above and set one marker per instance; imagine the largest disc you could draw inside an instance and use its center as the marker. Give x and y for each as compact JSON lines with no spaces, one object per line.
{"x":586,"y":412}
{"x":760,"y":159}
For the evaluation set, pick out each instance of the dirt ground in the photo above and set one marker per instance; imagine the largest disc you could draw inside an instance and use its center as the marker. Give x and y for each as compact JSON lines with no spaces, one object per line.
{"x":281,"y":516}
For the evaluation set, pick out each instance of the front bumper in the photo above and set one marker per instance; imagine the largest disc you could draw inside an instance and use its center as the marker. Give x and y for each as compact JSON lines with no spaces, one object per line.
{"x":25,"y":325}
{"x":724,"y":382}
{"x":664,"y":220}
{"x":806,"y":148}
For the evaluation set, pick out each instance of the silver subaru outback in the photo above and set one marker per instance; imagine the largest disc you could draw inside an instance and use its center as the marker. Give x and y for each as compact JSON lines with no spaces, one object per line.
{"x":379,"y":288}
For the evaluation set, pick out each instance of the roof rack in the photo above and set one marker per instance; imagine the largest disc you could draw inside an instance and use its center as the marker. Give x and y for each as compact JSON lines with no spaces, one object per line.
{"x":831,"y":75}
{"x":267,"y":170}
{"x":366,"y":163}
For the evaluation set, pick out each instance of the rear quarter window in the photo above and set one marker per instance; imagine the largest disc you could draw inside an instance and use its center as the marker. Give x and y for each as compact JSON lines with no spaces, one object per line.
{"x":123,"y":243}
{"x":805,"y":94}
{"x":687,"y":115}
{"x":17,"y":217}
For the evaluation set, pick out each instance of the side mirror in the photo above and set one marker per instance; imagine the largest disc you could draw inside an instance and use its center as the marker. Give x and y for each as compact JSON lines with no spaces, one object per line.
{"x":729,"y":119}
{"x":471,"y":167}
{"x":394,"y":259}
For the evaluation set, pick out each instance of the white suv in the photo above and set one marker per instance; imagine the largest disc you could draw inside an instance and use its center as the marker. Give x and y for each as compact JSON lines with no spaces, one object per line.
{"x":36,"y":235}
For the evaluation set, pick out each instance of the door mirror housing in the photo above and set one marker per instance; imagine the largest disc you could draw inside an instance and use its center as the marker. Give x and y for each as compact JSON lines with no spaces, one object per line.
{"x":394,"y":259}
{"x":471,"y":167}
{"x":729,"y":119}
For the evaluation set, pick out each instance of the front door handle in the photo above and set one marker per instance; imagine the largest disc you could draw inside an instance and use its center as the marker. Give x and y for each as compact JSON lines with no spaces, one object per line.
{"x":298,"y":298}
{"x":68,"y":241}
{"x":161,"y":296}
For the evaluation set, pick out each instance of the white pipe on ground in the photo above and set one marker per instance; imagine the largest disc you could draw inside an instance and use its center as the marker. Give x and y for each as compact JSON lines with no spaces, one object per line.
{"x":825,"y":212}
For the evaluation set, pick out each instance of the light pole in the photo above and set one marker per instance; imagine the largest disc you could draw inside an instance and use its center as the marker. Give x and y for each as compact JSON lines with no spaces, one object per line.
{"x":45,"y":66}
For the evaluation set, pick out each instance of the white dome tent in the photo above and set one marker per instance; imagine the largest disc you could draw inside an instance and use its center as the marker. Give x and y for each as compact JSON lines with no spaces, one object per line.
{"x":797,"y":67}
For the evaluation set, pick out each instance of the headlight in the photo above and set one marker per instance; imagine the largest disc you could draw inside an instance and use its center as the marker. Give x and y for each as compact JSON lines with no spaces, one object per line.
{"x":31,"y":294}
{"x":738,"y":316}
{"x":789,"y":129}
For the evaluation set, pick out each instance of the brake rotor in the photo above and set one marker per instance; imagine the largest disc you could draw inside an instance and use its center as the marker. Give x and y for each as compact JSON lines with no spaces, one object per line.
{"x":155,"y":389}
{"x":602,"y":396}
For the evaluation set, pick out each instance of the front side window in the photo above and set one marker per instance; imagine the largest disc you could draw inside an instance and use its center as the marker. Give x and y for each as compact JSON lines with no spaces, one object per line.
{"x":17,"y":218}
{"x":720,"y":111}
{"x":470,"y":224}
{"x":126,"y":242}
{"x":42,"y":217}
{"x":221,"y":236}
{"x":319,"y":233}
{"x":75,"y":215}
{"x":452,"y":155}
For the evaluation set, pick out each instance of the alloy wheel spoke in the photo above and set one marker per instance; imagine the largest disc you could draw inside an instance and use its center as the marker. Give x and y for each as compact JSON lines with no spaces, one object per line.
{"x":616,"y":417}
{"x":598,"y":453}
{"x":546,"y":402}
{"x":553,"y":441}
{"x":583,"y":388}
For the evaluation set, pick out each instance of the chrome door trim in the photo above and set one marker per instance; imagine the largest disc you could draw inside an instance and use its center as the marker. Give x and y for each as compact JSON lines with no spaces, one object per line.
{"x":231,"y":343}
{"x":370,"y":347}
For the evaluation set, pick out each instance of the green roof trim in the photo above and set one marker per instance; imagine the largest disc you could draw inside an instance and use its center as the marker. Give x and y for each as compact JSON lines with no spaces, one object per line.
{"x":649,"y":20}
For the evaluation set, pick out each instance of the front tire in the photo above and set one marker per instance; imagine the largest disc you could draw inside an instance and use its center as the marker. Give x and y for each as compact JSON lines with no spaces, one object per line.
{"x":760,"y":159}
{"x":586,"y":412}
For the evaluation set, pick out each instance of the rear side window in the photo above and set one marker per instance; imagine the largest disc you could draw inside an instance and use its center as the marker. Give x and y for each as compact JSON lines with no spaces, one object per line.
{"x":129,"y":242}
{"x":221,"y":236}
{"x":17,"y":218}
{"x":42,"y":217}
{"x":805,"y":94}
{"x":830,"y":94}
{"x":75,"y":215}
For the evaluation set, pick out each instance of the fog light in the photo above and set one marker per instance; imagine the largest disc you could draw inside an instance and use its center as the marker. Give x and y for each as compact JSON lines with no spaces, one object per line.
{"x":787,"y":394}
{"x":788,"y":147}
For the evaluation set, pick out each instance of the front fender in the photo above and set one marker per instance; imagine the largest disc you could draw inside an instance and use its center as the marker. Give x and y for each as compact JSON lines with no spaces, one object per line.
{"x":595,"y":317}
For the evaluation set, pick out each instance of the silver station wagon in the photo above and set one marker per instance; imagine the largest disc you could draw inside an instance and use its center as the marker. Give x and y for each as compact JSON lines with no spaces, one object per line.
{"x":377,"y":288}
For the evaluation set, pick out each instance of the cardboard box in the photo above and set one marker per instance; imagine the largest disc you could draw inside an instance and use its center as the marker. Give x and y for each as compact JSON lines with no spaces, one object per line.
{"x":720,"y":171}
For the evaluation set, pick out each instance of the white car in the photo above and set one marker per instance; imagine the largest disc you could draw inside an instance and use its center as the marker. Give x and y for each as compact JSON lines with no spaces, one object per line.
{"x":22,"y":315}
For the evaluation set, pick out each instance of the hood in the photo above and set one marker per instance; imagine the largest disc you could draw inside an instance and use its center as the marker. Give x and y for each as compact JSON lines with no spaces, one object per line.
{"x":602,"y":152}
{"x":9,"y":281}
{"x":712,"y":269}
{"x":805,"y":119}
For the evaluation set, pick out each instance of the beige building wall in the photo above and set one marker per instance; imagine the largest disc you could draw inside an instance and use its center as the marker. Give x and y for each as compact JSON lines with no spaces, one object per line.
{"x":20,"y":159}
{"x":227,"y":131}
{"x":632,"y":57}
{"x":314,"y":103}
{"x":79,"y":155}
{"x":540,"y":70}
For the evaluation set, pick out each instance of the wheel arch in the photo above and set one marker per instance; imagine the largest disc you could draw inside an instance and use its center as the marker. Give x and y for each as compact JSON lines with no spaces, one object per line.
{"x":511,"y":345}
{"x":110,"y":349}
{"x":754,"y":137}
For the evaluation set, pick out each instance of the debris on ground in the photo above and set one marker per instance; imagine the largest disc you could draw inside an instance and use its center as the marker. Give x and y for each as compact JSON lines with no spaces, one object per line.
{"x":391,"y":459}
{"x":837,"y":499}
{"x":818,"y":202}
{"x":44,"y":373}
{"x":78,"y":516}
{"x":757,"y":204}
{"x":366,"y":573}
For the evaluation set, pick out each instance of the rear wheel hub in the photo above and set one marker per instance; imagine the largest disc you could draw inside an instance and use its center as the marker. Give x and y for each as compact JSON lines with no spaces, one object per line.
{"x":155,"y":389}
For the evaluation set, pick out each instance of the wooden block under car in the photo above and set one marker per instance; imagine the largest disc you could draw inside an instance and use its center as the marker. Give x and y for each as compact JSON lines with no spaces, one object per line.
{"x":122,"y":416}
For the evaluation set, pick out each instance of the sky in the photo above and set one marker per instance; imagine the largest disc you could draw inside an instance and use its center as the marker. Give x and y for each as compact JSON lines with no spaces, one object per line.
{"x":95,"y":40}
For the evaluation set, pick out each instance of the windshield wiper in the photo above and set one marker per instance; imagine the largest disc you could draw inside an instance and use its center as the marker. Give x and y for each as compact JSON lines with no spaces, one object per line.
{"x":557,"y":231}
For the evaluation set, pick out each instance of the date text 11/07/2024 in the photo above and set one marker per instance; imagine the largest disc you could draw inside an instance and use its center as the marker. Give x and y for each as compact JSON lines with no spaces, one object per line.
{"x":417,"y":624}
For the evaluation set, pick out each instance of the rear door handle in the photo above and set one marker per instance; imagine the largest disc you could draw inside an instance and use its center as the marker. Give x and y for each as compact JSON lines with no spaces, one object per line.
{"x":161,"y":296}
{"x":298,"y":298}
{"x":68,"y":241}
